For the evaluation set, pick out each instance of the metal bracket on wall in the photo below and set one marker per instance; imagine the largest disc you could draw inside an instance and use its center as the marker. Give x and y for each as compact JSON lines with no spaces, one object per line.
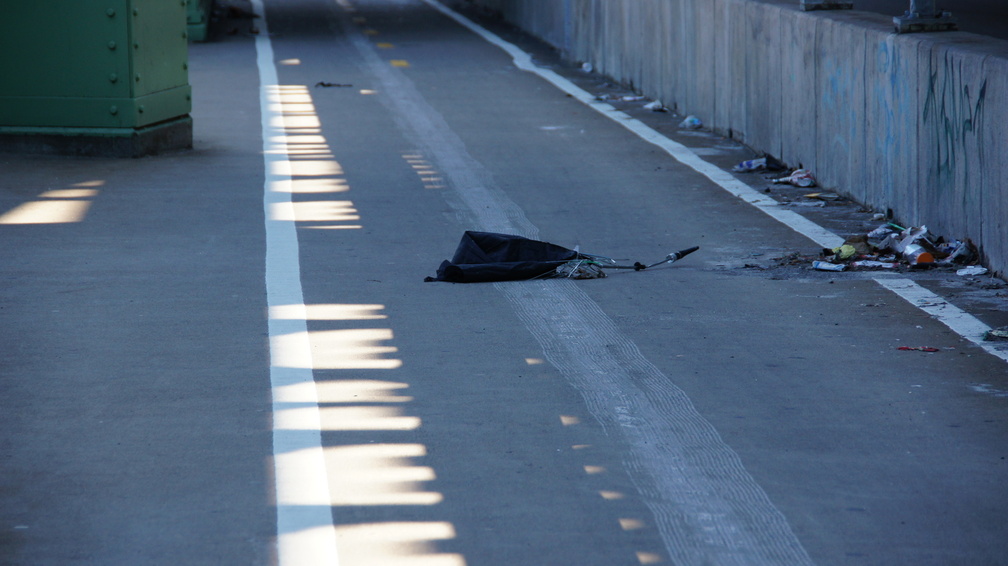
{"x":923,"y":16}
{"x":807,"y":5}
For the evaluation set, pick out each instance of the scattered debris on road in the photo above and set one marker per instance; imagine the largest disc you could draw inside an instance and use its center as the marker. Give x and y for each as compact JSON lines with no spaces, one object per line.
{"x":891,"y":246}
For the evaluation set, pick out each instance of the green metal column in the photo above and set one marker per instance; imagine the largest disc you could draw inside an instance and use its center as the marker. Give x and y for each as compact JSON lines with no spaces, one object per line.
{"x":199,"y":19}
{"x":94,"y":77}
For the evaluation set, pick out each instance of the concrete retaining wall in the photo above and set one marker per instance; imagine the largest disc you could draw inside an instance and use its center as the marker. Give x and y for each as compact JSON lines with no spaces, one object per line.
{"x":916,"y":123}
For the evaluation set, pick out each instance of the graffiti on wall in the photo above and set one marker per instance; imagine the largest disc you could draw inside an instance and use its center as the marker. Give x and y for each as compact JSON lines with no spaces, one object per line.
{"x":954,"y":114}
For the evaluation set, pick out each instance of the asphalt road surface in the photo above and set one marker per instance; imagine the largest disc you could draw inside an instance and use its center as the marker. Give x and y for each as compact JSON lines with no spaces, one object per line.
{"x":230,"y":355}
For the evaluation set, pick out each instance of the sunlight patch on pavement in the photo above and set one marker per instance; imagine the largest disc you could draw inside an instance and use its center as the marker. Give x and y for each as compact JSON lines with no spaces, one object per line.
{"x":397,"y":543}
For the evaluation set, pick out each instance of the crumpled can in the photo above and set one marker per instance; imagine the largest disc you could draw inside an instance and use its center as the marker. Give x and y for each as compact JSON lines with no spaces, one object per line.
{"x":827,"y":266}
{"x":915,"y":254}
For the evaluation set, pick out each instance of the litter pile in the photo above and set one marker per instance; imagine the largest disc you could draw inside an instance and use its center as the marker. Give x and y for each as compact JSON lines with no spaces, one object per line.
{"x":891,"y":246}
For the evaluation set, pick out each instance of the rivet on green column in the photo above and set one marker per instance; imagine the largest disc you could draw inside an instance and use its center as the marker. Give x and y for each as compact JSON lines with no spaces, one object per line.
{"x":138,"y":77}
{"x":185,"y":66}
{"x":112,"y":45}
{"x":110,"y":13}
{"x":113,"y":110}
{"x":140,"y":109}
{"x":113,"y":78}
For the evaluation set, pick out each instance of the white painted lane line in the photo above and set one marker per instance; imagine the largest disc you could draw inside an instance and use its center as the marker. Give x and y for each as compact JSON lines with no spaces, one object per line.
{"x":951,"y":316}
{"x":961,"y":322}
{"x":305,"y":532}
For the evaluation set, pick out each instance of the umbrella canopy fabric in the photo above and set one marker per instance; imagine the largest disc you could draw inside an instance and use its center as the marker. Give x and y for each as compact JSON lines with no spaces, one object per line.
{"x":487,"y":256}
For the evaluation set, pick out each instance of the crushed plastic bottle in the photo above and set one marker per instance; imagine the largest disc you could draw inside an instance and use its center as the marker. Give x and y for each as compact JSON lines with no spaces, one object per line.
{"x":691,"y":123}
{"x":765,"y":163}
{"x":799,"y":178}
{"x":751,"y":165}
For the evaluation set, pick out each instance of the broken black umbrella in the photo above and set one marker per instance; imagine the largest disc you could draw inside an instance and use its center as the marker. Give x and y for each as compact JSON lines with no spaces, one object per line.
{"x":487,"y":256}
